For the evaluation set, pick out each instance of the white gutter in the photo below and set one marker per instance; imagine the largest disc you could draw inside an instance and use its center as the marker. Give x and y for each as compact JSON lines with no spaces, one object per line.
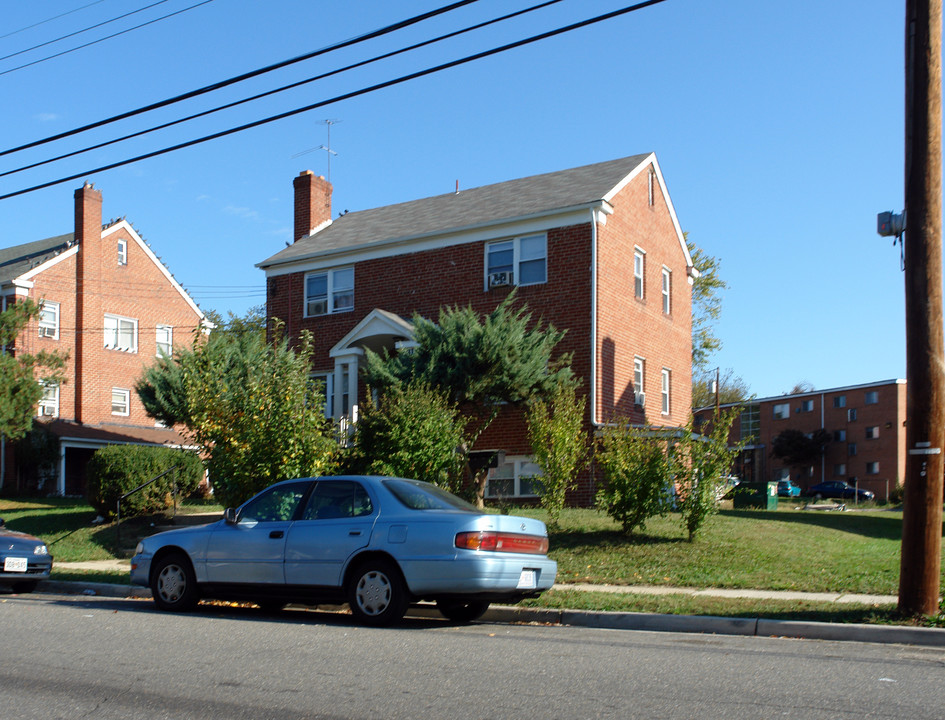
{"x":593,"y":383}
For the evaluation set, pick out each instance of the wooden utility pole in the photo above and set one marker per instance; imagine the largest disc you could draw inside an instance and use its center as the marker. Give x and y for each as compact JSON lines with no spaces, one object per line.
{"x":919,"y":577}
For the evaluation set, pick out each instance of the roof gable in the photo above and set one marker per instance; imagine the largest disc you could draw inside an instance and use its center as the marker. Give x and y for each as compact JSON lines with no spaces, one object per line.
{"x":19,"y":260}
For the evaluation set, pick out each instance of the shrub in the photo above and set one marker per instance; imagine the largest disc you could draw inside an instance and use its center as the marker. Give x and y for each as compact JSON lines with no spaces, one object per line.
{"x":117,"y":469}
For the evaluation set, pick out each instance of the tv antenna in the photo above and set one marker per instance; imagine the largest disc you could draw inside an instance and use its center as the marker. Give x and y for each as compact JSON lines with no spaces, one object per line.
{"x":326,"y":148}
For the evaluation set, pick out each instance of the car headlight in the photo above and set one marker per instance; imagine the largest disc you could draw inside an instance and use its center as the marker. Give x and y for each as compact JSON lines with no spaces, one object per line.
{"x":139,"y":548}
{"x":40,"y":550}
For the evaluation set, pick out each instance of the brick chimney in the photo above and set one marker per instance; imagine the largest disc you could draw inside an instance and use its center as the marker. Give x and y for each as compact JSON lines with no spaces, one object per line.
{"x":312,"y":203}
{"x":88,"y":267}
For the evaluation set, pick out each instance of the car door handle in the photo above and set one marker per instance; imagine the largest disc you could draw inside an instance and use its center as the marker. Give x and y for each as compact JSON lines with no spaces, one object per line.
{"x":276,"y":534}
{"x":354,"y":532}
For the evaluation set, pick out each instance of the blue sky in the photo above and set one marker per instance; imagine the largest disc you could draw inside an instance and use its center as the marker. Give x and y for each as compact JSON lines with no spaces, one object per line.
{"x":778,"y":127}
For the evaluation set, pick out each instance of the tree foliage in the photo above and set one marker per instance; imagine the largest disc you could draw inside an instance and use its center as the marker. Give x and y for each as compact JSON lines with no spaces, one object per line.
{"x":706,"y":305}
{"x":732,"y":389}
{"x":797,"y":449}
{"x":559,"y":446}
{"x":638,"y":485}
{"x":22,"y":375}
{"x":249,"y":405}
{"x":413,"y":431}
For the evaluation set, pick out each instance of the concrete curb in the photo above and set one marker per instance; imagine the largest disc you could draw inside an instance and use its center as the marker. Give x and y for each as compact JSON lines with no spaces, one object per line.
{"x":706,"y":624}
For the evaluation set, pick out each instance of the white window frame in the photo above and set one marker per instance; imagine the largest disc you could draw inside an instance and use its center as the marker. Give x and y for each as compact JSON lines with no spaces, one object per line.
{"x":872,"y":432}
{"x":113,"y":332}
{"x":665,"y":382}
{"x":807,"y":406}
{"x":122,"y":251}
{"x":667,"y":290}
{"x":126,"y":402}
{"x":840,"y":401}
{"x":523,"y":468}
{"x":639,"y":374}
{"x":336,"y":289}
{"x":46,"y":324}
{"x":536,"y":248}
{"x":781,"y":411}
{"x":49,"y":402}
{"x":167,"y":346}
{"x":639,"y":272}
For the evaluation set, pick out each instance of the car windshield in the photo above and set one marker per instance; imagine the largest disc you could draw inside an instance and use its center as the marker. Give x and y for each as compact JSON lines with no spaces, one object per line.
{"x":418,"y":495}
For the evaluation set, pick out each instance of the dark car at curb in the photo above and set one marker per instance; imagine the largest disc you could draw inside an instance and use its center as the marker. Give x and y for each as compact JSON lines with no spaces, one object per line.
{"x":24,"y":560}
{"x":376,"y":543}
{"x":838,"y":490}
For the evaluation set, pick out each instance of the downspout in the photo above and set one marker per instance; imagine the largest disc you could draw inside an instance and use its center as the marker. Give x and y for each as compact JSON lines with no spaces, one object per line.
{"x":593,"y":383}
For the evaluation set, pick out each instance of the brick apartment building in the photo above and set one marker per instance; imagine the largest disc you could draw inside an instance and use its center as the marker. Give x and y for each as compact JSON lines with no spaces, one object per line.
{"x":110,"y":303}
{"x":866,"y":424}
{"x":595,"y":250}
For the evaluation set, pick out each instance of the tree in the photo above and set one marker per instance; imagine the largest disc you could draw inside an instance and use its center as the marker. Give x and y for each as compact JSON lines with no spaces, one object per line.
{"x":558,"y":444}
{"x":732,"y":389}
{"x":798,"y":449}
{"x":250,"y":406}
{"x":706,"y":305}
{"x":414,"y":432}
{"x":802,"y":386}
{"x":699,"y":463}
{"x":23,"y":375}
{"x":636,"y":467}
{"x":479,"y":362}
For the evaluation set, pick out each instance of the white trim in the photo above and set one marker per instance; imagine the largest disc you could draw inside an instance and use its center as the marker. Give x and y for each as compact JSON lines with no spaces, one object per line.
{"x":127,"y":394}
{"x":595,"y":419}
{"x":377,"y":322}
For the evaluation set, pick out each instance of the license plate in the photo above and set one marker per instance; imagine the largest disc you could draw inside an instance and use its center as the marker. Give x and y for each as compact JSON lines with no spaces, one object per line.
{"x":14,"y":564}
{"x":528,"y":580}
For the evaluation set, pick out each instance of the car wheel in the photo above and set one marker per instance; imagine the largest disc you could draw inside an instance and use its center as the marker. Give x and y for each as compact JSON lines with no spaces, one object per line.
{"x":377,"y":594}
{"x":461,"y":612}
{"x":173,"y":583}
{"x":27,"y":586}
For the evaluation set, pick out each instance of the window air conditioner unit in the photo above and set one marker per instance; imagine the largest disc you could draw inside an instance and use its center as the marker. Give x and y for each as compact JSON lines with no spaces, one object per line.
{"x":639,"y":399}
{"x":499,"y":279}
{"x":47,"y":332}
{"x":47,"y":411}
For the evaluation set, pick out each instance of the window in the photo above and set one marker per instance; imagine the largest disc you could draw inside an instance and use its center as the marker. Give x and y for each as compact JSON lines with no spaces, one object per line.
{"x":164,"y":338}
{"x":782,"y":411}
{"x":651,"y":176}
{"x":872,"y":397}
{"x":639,"y":366}
{"x":122,"y":252}
{"x":278,"y":504}
{"x":664,"y":392}
{"x":524,"y":259}
{"x":751,"y":423}
{"x":667,"y":284}
{"x":638,"y":266}
{"x":840,"y":401}
{"x":851,"y":414}
{"x":516,"y":477}
{"x":840,"y":435}
{"x":807,"y":406}
{"x":326,"y":383}
{"x":872,"y":432}
{"x":121,"y":333}
{"x":49,"y":320}
{"x":851,"y":449}
{"x":49,"y":402}
{"x":329,"y":292}
{"x":872,"y":468}
{"x":840,"y":469}
{"x":338,"y":499}
{"x":121,"y":401}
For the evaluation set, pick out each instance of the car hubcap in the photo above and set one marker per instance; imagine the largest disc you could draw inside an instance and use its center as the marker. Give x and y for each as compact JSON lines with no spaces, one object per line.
{"x":171,"y":583}
{"x":373,"y":593}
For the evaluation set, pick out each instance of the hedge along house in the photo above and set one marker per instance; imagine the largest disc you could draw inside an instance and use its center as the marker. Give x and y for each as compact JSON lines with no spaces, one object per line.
{"x":595,"y":250}
{"x":112,"y":305}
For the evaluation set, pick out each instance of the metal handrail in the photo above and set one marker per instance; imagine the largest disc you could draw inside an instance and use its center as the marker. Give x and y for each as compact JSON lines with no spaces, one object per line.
{"x":132,"y":492}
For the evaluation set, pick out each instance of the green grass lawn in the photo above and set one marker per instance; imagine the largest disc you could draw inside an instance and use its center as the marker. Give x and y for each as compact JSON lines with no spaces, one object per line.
{"x":787,"y":549}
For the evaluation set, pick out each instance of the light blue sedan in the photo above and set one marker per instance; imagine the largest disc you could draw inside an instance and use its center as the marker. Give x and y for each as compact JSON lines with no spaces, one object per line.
{"x":377,"y":543}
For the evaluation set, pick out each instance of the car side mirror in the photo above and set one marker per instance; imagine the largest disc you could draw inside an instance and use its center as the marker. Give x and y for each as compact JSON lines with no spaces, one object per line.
{"x":230,"y":516}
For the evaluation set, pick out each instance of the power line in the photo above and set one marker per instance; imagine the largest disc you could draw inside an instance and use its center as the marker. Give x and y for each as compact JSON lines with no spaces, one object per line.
{"x":345,"y":96}
{"x":54,"y":17}
{"x":83,"y":30}
{"x":284,"y":88}
{"x":245,"y":76}
{"x":107,"y":37}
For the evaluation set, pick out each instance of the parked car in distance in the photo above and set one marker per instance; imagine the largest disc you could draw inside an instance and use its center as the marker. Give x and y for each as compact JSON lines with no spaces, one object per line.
{"x":377,"y":543}
{"x":838,"y":490}
{"x":786,"y":488}
{"x":26,"y":560}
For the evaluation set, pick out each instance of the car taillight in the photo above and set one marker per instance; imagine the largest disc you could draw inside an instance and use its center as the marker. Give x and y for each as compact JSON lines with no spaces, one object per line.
{"x":502,"y":542}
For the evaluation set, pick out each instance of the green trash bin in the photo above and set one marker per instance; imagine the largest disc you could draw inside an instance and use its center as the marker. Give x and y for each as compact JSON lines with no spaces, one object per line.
{"x":760,"y":495}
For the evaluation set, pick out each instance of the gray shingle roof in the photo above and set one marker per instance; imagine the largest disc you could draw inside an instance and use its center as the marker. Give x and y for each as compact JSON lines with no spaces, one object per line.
{"x":523,"y":197}
{"x":16,"y":260}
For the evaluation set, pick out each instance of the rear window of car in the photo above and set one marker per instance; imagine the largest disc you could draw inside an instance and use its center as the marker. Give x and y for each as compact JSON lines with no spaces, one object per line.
{"x":418,"y":495}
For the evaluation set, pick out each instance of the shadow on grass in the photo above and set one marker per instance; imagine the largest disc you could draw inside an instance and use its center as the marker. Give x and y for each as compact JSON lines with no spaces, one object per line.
{"x":883,"y":528}
{"x":571,"y":539}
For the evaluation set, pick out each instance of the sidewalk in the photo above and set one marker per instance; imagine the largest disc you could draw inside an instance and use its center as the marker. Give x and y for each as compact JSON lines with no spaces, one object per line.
{"x":931,"y":637}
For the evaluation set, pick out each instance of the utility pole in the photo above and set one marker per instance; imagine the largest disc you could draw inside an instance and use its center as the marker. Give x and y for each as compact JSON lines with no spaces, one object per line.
{"x":919,"y":577}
